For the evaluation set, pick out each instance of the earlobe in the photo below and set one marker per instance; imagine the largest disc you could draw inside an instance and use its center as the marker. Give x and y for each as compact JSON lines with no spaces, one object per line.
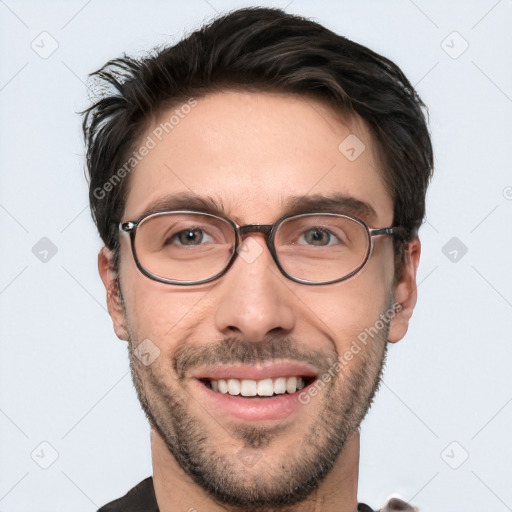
{"x":114,"y":299}
{"x":405,"y":293}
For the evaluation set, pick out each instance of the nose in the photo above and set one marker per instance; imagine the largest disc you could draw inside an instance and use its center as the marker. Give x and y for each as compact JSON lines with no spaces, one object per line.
{"x":253,"y":299}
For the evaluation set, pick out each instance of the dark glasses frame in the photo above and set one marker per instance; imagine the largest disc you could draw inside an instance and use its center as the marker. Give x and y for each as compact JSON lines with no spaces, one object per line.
{"x":269,"y":230}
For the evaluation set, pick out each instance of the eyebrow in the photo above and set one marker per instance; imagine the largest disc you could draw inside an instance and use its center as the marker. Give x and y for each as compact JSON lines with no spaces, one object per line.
{"x":331,"y":203}
{"x":186,"y":201}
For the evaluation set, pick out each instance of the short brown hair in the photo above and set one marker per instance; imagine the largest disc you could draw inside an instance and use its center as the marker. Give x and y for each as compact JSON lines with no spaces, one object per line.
{"x":260,"y":49}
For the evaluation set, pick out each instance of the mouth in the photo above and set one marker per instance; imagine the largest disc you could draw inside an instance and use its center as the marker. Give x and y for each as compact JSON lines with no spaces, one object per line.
{"x":255,"y":393}
{"x":262,"y":388}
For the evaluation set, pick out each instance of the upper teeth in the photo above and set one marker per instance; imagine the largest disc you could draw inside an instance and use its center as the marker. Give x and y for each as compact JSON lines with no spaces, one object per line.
{"x":265,"y":387}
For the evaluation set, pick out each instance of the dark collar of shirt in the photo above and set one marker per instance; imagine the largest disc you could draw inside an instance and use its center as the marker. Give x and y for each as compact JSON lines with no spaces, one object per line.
{"x":142,"y":499}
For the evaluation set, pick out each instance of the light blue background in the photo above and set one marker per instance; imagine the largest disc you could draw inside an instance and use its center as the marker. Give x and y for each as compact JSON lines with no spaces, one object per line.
{"x":64,"y":375}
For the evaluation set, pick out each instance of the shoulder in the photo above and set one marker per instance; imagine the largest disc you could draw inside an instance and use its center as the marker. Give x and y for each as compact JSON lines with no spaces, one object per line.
{"x":362,"y":507}
{"x":393,"y":505}
{"x":140,"y":498}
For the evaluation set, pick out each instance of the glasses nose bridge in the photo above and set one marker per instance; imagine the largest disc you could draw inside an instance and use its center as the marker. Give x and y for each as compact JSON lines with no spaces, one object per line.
{"x":255,"y":228}
{"x":264,"y":229}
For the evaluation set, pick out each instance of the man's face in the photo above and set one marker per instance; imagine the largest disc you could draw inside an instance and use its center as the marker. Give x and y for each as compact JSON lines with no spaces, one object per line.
{"x":251,"y":153}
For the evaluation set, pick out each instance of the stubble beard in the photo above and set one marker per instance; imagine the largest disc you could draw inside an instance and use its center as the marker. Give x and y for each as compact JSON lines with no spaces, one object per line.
{"x":264,"y":487}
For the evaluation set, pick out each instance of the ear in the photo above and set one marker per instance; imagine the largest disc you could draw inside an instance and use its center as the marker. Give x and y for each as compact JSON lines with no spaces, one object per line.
{"x":114,"y":299}
{"x":405,"y":292}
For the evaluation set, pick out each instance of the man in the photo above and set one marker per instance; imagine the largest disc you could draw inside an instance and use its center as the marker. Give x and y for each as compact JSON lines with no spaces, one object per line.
{"x":258,"y":188}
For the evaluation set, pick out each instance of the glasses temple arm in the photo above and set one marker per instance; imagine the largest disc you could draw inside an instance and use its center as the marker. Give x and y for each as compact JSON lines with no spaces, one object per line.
{"x":399,"y":231}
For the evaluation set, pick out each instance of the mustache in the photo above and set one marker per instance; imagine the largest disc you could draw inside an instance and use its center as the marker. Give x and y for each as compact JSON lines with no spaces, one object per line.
{"x":236,"y":351}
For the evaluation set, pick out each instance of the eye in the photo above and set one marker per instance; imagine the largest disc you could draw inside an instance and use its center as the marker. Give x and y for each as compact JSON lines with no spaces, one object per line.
{"x":192,"y":236}
{"x":319,"y":236}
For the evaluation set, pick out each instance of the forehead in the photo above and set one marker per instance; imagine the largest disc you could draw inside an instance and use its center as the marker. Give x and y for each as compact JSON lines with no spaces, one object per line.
{"x":254,"y":154}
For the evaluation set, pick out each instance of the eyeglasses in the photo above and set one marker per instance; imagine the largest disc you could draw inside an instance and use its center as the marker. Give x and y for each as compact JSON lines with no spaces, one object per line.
{"x":185,"y":247}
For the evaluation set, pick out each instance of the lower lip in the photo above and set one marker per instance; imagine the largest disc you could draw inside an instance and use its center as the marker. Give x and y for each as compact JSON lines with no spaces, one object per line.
{"x":277,"y":407}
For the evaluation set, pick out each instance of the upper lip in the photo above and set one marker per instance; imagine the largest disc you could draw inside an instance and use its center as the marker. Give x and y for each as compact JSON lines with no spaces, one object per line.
{"x":257,"y":372}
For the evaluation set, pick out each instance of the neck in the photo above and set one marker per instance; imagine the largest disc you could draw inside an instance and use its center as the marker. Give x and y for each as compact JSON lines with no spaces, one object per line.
{"x":176,"y":491}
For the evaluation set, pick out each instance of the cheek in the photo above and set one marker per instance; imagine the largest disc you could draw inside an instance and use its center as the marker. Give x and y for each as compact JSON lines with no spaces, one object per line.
{"x":162,"y":314}
{"x":346,"y":309}
{"x":154,"y":310}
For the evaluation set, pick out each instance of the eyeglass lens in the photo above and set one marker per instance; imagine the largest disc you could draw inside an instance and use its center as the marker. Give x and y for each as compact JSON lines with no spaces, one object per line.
{"x":196,"y":246}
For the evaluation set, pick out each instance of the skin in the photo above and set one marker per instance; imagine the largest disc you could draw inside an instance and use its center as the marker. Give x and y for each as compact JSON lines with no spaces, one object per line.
{"x":251,"y":151}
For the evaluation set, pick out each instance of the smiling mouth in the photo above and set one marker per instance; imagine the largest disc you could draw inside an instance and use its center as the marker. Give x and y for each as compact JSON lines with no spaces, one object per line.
{"x":263,"y":388}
